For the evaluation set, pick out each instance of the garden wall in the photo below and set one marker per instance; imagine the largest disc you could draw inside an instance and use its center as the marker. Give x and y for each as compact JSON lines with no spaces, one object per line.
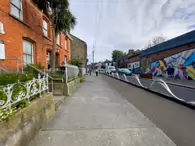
{"x":23,"y":126}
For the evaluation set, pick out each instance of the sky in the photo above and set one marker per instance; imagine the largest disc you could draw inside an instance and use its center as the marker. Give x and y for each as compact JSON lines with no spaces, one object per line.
{"x":129,"y":24}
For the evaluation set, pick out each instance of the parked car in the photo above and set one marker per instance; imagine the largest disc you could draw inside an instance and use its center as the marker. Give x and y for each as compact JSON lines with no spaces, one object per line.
{"x":101,"y":69}
{"x":110,"y":69}
{"x":125,"y":71}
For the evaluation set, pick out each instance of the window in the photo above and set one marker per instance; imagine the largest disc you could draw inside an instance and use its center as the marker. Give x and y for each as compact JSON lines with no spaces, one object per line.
{"x":58,"y":39}
{"x":2,"y":28}
{"x":45,"y":28}
{"x":66,"y":44}
{"x":48,"y":56}
{"x":2,"y":50}
{"x":16,"y":8}
{"x":28,"y":52}
{"x":65,"y":59}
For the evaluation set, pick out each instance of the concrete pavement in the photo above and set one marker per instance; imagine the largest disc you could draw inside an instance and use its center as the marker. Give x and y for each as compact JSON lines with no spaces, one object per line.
{"x":97,"y":115}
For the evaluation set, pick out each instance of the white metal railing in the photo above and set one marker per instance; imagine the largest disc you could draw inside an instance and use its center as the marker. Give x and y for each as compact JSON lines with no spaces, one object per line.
{"x":159,"y":81}
{"x":12,"y":94}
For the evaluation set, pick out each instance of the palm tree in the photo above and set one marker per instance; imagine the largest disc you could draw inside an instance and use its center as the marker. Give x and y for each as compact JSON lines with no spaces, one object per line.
{"x":61,"y":18}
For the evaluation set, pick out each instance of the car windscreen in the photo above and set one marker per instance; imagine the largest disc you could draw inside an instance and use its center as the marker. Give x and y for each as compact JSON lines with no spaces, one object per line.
{"x":111,"y":67}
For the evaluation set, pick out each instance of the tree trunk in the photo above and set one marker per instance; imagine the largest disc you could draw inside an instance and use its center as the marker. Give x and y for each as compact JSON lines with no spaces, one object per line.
{"x":53,"y":66}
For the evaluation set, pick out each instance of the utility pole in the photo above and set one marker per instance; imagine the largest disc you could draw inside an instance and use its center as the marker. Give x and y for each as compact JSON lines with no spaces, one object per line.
{"x":93,"y":52}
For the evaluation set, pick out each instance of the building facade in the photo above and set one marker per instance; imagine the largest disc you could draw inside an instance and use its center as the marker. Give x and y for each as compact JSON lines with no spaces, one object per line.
{"x":130,"y":61}
{"x":79,"y":50}
{"x":26,"y":33}
{"x":178,"y":52}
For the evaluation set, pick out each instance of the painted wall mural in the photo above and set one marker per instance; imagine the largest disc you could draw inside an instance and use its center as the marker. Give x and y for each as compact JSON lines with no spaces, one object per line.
{"x":183,"y":63}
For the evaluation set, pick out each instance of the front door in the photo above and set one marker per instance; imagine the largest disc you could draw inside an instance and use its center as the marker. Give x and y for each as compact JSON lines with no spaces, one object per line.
{"x":57,"y":60}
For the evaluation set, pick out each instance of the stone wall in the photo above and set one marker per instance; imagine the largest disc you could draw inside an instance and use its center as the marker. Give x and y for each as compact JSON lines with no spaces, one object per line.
{"x":71,"y":86}
{"x":24,"y":124}
{"x":79,"y":50}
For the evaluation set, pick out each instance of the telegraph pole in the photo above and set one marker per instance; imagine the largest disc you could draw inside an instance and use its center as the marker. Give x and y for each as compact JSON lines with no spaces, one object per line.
{"x":93,"y":53}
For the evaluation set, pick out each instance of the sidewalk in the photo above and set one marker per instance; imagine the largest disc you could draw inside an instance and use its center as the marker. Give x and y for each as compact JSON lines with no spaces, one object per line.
{"x":97,"y":115}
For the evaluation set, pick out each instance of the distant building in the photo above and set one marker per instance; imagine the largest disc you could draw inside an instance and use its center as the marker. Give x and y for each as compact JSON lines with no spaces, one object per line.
{"x":78,"y":50}
{"x":130,"y":61}
{"x":108,"y":63}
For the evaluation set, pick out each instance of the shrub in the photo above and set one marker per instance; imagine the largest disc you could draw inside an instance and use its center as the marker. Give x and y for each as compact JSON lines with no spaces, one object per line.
{"x":28,"y":69}
{"x":10,"y":78}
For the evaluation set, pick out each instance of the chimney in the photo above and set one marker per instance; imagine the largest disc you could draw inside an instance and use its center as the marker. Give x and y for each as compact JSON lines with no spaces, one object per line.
{"x":131,"y":51}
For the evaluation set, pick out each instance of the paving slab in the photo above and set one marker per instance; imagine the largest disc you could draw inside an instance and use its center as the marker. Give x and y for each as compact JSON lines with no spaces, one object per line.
{"x":97,"y":115}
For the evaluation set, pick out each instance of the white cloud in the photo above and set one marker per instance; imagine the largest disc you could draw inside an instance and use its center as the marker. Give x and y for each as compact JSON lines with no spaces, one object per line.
{"x":130,"y":24}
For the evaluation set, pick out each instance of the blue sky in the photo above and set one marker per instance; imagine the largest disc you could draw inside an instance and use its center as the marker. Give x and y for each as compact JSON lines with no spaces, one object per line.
{"x":129,"y":24}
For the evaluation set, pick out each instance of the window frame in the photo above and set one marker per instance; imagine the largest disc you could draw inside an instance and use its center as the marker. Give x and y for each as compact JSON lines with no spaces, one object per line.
{"x":46,"y":29}
{"x":3,"y":51}
{"x":26,"y":55}
{"x":65,"y":59}
{"x":66,"y":44}
{"x":20,"y":10}
{"x":58,"y":40}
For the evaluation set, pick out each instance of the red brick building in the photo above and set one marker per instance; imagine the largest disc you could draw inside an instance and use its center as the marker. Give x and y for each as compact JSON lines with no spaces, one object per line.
{"x":26,"y":33}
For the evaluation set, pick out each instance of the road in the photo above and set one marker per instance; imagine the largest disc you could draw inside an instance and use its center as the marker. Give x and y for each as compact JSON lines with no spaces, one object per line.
{"x":187,"y":94}
{"x":175,"y":120}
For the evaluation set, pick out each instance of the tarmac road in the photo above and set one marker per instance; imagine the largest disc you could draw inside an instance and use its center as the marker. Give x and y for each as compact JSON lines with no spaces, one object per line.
{"x":175,"y":120}
{"x":187,"y":94}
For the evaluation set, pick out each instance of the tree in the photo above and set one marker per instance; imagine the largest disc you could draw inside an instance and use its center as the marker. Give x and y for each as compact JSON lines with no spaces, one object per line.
{"x":155,"y":41}
{"x":116,"y":54}
{"x":61,"y":18}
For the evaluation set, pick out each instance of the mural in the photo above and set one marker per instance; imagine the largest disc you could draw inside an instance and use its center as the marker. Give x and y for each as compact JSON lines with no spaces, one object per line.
{"x":181,"y":65}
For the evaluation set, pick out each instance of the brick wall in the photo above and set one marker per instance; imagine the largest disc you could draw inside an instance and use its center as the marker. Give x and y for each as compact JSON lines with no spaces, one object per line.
{"x":147,"y":60}
{"x":79,"y":50}
{"x":31,"y":29}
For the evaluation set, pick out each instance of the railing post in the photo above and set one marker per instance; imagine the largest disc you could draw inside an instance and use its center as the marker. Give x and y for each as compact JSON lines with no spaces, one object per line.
{"x":125,"y":77}
{"x":117,"y":75}
{"x":52,"y":86}
{"x":47,"y":81}
{"x":66,"y":70}
{"x":39,"y":81}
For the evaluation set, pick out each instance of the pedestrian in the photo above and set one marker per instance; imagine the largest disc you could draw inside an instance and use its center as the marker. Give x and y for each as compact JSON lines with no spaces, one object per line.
{"x":176,"y":71}
{"x":96,"y":72}
{"x":90,"y":71}
{"x":168,"y":72}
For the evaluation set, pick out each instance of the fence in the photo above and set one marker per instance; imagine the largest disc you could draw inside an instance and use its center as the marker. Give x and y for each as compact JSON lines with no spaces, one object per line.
{"x":83,"y":71}
{"x":13,"y":94}
{"x":72,"y":72}
{"x":65,"y":73}
{"x":161,"y":87}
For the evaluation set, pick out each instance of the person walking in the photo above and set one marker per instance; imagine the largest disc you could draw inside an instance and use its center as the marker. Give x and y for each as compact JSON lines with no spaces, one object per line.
{"x":96,"y":72}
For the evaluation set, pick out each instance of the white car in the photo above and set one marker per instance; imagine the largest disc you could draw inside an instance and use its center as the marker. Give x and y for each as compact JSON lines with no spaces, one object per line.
{"x":110,"y":69}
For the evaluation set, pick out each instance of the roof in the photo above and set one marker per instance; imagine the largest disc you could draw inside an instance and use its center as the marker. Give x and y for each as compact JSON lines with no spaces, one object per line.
{"x":107,"y":61}
{"x":182,"y":40}
{"x":129,"y":55}
{"x":73,"y":36}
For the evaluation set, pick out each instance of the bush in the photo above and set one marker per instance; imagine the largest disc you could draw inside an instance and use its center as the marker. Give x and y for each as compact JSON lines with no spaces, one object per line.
{"x":28,"y":69}
{"x":11,"y":78}
{"x":77,"y":62}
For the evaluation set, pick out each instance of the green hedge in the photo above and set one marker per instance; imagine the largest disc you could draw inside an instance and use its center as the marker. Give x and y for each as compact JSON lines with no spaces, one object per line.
{"x":14,"y":78}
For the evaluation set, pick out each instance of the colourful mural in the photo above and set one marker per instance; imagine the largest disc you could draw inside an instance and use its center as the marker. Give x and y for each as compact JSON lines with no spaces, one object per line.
{"x":182,"y":64}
